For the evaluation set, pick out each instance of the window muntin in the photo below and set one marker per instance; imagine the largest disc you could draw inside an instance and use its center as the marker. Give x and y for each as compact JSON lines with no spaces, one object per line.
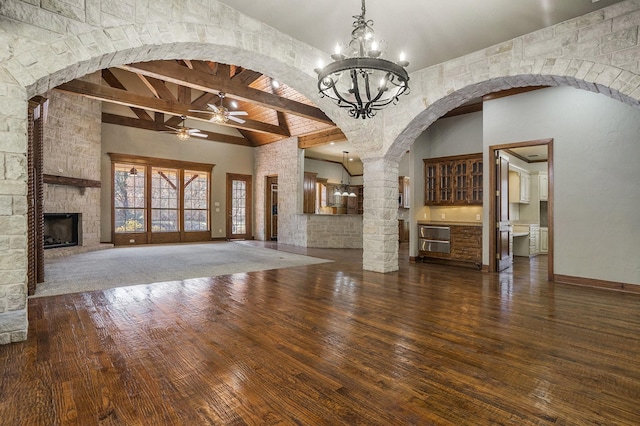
{"x":196,"y":201}
{"x":129,"y":198}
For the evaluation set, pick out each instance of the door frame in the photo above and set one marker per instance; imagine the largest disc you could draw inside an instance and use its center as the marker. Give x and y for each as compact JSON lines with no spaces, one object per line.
{"x":493,"y":199}
{"x":268,"y":217}
{"x":248,"y":179}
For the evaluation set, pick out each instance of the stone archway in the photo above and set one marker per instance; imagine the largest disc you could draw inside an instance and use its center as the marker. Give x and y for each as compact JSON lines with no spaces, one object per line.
{"x":48,"y":48}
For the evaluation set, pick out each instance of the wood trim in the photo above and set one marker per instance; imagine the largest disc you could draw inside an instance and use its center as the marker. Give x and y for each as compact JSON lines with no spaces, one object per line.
{"x":550,"y":201}
{"x":596,"y":283}
{"x":70,"y":181}
{"x":464,"y":109}
{"x":321,"y":138}
{"x":511,"y":92}
{"x":120,"y":120}
{"x":160,"y":162}
{"x":175,"y":73}
{"x":453,"y":158}
{"x":129,"y":99}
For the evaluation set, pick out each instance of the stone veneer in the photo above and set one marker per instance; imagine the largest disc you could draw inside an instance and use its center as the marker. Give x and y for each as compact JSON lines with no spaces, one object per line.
{"x":55,"y":41}
{"x":71,"y":148}
{"x":329,"y":230}
{"x":285,"y":160}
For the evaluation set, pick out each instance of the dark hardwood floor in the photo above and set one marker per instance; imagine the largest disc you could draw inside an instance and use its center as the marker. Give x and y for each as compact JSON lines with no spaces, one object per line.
{"x":330,"y":344}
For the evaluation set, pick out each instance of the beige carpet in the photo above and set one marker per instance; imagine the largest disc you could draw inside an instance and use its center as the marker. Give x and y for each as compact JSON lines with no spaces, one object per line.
{"x":125,"y":266}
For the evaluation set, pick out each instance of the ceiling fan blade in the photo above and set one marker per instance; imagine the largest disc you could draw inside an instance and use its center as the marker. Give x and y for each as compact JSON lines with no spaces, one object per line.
{"x":192,"y":131}
{"x":200,"y":135}
{"x":236,"y":119}
{"x":213,"y":107}
{"x":172,"y":128}
{"x":200,"y":110}
{"x":238,"y":113}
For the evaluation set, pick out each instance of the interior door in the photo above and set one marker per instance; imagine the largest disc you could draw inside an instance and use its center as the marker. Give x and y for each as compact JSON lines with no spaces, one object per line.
{"x":271,"y":208}
{"x":239,"y":207}
{"x":503,"y":227}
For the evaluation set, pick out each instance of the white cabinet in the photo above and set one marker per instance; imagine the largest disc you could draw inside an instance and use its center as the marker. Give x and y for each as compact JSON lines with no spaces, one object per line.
{"x":527,"y":245}
{"x":519,"y":187}
{"x":544,"y":240}
{"x":543,"y":186}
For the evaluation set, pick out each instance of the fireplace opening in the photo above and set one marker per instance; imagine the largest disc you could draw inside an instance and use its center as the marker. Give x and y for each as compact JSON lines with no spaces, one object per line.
{"x":61,"y":230}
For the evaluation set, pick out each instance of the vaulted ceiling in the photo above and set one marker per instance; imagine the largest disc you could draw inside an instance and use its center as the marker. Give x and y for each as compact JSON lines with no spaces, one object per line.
{"x":154,"y":95}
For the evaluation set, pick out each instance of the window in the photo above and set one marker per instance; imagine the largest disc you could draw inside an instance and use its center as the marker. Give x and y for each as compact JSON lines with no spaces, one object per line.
{"x":160,"y":201}
{"x":164,"y":200}
{"x":196,"y":201}
{"x":129,"y":198}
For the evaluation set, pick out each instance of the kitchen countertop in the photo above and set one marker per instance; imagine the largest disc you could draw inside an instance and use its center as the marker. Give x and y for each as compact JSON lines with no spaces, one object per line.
{"x":442,"y":223}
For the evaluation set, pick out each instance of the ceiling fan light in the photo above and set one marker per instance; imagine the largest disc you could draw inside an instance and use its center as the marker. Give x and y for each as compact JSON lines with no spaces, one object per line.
{"x":183,"y":135}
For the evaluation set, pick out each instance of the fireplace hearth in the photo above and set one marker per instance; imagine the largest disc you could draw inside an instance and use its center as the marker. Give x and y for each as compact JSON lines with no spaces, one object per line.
{"x":61,"y":230}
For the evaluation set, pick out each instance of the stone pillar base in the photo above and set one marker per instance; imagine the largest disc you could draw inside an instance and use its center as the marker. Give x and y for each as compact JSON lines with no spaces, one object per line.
{"x":13,"y":326}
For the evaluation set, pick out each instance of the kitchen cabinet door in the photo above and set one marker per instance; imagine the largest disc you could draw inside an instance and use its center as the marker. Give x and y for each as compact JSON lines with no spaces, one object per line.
{"x":544,"y":240}
{"x":543,"y":182}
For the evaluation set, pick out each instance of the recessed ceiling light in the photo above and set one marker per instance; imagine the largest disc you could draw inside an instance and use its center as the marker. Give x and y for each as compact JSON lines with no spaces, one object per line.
{"x":332,"y":143}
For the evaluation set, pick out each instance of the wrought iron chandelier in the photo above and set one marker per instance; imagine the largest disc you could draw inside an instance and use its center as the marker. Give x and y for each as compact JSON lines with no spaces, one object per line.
{"x":359,"y":79}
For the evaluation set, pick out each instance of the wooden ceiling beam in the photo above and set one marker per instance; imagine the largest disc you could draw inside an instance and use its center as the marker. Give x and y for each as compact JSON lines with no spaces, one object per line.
{"x":175,"y":73}
{"x":158,"y":127}
{"x":113,"y":81}
{"x":122,"y":97}
{"x":321,"y":138}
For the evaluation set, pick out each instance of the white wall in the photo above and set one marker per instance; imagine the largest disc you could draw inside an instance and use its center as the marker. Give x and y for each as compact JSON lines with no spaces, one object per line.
{"x":596,"y":175}
{"x":449,"y":136}
{"x":227,"y":158}
{"x":330,"y":171}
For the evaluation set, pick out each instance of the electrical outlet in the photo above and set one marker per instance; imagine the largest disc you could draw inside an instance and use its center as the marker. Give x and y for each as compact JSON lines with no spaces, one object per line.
{"x":220,"y":231}
{"x":424,"y":216}
{"x":132,"y":241}
{"x":442,"y":216}
{"x":217,"y":210}
{"x":477,"y":217}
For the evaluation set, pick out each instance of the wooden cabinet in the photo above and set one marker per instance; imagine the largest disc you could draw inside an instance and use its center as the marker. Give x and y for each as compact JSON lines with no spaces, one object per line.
{"x":519,"y":187}
{"x":354,"y":204}
{"x":459,"y":243}
{"x":309,"y":188}
{"x":453,"y":180}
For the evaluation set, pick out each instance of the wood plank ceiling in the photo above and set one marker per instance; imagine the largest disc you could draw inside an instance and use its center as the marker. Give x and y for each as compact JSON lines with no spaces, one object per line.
{"x":153,"y":95}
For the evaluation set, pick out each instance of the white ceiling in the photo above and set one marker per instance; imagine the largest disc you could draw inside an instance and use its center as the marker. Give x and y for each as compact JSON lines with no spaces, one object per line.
{"x":428,"y":31}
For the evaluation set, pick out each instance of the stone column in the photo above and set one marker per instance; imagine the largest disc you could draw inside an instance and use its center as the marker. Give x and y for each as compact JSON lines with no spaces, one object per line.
{"x":13,"y":213}
{"x":380,"y":219}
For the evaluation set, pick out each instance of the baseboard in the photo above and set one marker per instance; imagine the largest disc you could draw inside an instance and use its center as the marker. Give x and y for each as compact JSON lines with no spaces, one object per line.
{"x":413,"y":259}
{"x":590,"y":282}
{"x":218,"y":239}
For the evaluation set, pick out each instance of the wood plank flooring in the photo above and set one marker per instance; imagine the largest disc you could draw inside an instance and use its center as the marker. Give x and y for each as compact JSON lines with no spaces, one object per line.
{"x":330,"y":344}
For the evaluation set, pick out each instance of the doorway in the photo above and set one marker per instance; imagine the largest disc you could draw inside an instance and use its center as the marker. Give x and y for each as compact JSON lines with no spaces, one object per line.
{"x":531,"y":230}
{"x":239,"y":205}
{"x":271,"y":208}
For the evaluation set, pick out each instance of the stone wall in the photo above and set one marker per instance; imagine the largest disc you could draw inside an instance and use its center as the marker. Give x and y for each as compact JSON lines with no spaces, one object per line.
{"x":331,"y":231}
{"x":285,"y":160}
{"x":71,"y":148}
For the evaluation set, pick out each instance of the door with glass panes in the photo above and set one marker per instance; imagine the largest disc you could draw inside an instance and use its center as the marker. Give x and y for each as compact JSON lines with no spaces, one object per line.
{"x":239,"y":206}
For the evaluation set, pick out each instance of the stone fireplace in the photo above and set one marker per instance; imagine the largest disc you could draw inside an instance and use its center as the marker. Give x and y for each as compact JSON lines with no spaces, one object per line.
{"x":62,"y":230}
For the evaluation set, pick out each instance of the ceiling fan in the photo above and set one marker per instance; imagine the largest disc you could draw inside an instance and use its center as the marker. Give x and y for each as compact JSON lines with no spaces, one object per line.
{"x":220,"y":114}
{"x":183,"y":132}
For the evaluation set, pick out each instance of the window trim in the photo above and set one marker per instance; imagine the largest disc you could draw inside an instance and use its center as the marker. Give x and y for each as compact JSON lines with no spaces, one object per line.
{"x":166,"y":237}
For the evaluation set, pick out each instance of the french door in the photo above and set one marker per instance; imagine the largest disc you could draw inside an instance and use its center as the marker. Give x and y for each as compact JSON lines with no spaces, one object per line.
{"x":239,"y":205}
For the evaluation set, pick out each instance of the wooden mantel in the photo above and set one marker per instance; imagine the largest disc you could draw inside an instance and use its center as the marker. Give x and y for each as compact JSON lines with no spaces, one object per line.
{"x":69,"y":181}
